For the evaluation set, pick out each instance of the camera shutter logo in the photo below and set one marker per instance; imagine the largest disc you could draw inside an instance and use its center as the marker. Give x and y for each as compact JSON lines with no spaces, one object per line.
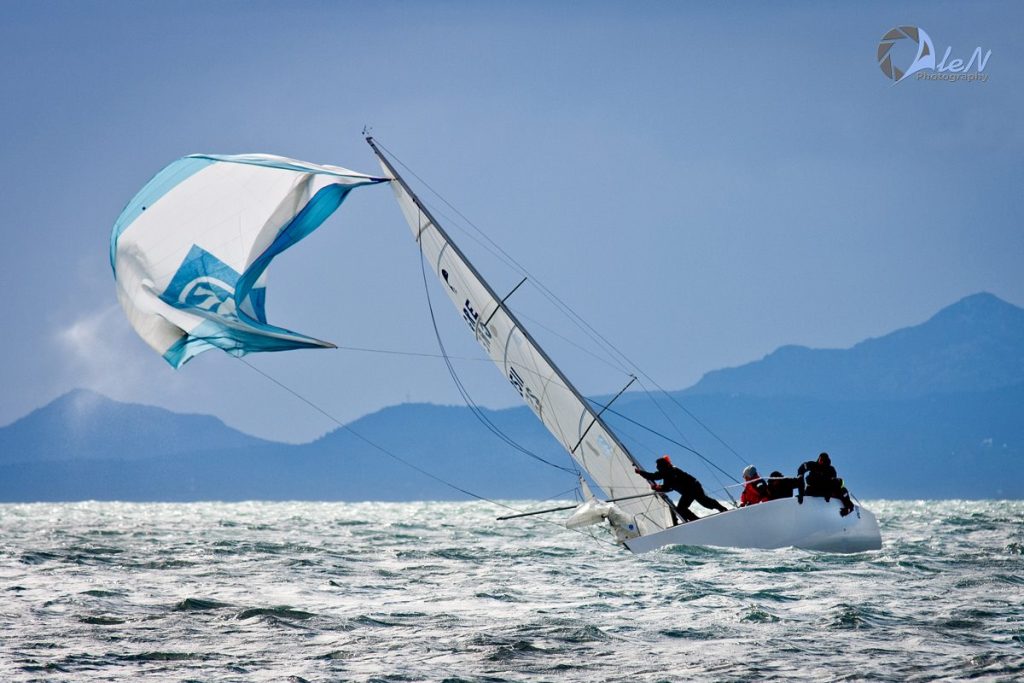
{"x":924,"y":59}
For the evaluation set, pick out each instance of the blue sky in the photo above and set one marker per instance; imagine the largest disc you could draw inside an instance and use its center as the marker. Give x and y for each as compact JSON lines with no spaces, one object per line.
{"x":702,"y":182}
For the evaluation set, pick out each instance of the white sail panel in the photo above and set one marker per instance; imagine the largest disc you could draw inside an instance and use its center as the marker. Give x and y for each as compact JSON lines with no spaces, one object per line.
{"x":190,"y":251}
{"x":555,"y":402}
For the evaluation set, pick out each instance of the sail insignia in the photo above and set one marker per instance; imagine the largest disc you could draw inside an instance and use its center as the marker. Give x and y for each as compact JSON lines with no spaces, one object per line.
{"x":190,"y":251}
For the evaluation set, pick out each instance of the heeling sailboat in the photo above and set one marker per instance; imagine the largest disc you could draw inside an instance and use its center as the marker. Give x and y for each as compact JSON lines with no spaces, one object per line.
{"x":642,"y":521}
{"x":190,"y":253}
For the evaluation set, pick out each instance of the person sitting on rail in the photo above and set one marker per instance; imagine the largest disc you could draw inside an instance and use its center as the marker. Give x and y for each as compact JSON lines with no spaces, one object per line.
{"x":822,"y":481}
{"x":689,"y":489}
{"x":755,"y":491}
{"x":782,"y":487}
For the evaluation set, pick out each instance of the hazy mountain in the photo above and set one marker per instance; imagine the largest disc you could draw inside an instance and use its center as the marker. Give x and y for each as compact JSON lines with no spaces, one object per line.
{"x":931,"y":411}
{"x":84,"y":425}
{"x":953,"y":445}
{"x":342,"y":465}
{"x":974,"y":345}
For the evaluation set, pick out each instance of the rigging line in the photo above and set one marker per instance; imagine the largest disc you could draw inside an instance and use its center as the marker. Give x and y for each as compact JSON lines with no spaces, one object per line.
{"x":440,"y":233}
{"x":636,"y":440}
{"x":392,"y":352}
{"x":683,"y":437}
{"x":496,"y":249}
{"x":577,"y":319}
{"x":566,"y":309}
{"x":723,"y":487}
{"x":478,"y":413}
{"x":668,"y":418}
{"x":416,"y":354}
{"x":491,"y":247}
{"x":670,"y":440}
{"x":598,"y":416}
{"x":401,"y":460}
{"x":543,"y":289}
{"x":650,"y":449}
{"x":472,"y":405}
{"x":598,"y":336}
{"x":695,"y":419}
{"x":501,"y":304}
{"x":536,"y":323}
{"x":523,"y":368}
{"x":608,"y":359}
{"x":488,"y":424}
{"x":560,"y":494}
{"x":367,"y":441}
{"x":595,"y":334}
{"x":767,"y":479}
{"x":515,"y":265}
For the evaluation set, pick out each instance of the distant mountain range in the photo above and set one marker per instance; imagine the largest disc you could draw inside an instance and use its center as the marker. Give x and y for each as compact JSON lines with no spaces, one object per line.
{"x":931,"y":411}
{"x":977,"y":344}
{"x":83,"y":425}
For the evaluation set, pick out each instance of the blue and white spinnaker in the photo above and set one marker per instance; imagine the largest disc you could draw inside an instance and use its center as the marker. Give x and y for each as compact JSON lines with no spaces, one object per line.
{"x":190,"y":251}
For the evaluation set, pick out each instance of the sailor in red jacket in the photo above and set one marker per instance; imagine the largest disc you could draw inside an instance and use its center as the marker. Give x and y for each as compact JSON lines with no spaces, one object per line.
{"x":756,"y":490}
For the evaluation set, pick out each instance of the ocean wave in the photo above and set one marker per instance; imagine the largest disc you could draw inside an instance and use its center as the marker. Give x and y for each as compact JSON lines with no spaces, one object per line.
{"x":438,"y":591}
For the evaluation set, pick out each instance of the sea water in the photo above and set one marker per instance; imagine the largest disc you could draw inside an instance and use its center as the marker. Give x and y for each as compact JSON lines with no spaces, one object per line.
{"x":443,"y":591}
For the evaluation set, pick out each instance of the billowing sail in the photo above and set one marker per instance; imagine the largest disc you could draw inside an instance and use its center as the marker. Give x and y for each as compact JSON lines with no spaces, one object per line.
{"x":543,"y":387}
{"x":190,"y":251}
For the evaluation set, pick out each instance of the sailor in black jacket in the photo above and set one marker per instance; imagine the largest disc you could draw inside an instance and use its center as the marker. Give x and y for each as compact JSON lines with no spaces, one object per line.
{"x":822,"y":481}
{"x":782,"y":487}
{"x":689,"y":489}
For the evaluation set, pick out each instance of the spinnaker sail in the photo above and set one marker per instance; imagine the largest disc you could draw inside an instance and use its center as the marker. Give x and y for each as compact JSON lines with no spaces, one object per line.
{"x":551,"y":396}
{"x":191,"y":249}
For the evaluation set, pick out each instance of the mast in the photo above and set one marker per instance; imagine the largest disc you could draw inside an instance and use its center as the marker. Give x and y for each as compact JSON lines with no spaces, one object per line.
{"x":596,"y":419}
{"x":604,"y":451}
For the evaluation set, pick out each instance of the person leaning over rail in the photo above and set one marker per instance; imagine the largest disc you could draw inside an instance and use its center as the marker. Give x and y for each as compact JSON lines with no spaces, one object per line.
{"x":685,"y":484}
{"x":823,"y":482}
{"x":755,"y":490}
{"x":782,"y":487}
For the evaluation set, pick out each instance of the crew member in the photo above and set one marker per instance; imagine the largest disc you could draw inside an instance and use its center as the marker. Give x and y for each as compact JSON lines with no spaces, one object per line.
{"x":782,"y":487}
{"x":686,"y":485}
{"x":755,"y":491}
{"x":822,"y":481}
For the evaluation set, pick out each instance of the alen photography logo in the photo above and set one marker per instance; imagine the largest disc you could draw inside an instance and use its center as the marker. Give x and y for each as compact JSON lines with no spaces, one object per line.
{"x":913,"y":47}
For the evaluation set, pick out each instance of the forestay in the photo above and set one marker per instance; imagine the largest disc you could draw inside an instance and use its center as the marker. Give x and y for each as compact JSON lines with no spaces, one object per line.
{"x":190,"y":251}
{"x":542,"y":386}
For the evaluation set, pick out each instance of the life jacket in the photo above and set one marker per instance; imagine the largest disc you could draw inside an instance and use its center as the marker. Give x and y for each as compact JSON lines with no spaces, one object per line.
{"x":754,"y":492}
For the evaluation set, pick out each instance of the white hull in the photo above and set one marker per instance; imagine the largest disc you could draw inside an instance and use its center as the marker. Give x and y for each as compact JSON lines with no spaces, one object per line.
{"x":783,"y":523}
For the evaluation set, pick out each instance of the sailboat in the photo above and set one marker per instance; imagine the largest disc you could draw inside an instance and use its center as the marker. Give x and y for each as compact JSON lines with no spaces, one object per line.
{"x":640,"y":520}
{"x":190,"y":252}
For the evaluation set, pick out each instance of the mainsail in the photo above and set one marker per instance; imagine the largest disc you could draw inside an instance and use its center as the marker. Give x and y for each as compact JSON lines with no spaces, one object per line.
{"x":191,"y":249}
{"x":553,"y":399}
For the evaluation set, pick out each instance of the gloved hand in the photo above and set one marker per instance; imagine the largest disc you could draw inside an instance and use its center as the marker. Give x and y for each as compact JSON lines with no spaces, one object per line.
{"x":637,"y":470}
{"x":656,"y":487}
